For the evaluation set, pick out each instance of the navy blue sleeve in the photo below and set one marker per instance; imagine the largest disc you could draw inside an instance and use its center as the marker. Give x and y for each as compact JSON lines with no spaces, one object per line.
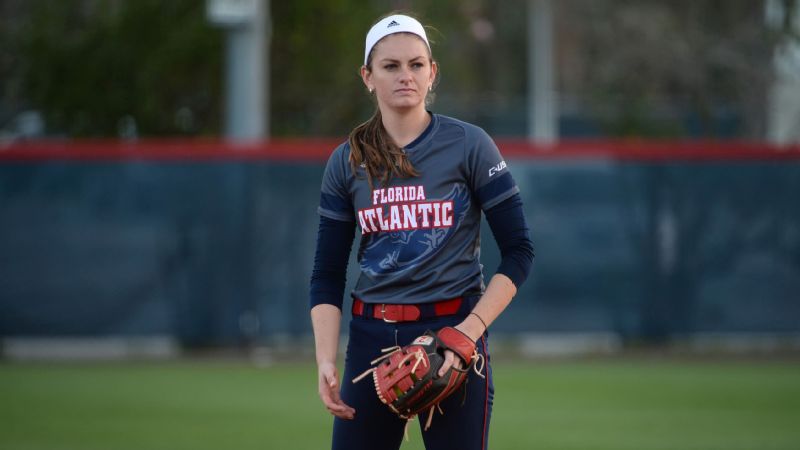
{"x":334,"y":240}
{"x":509,"y":228}
{"x":488,"y":173}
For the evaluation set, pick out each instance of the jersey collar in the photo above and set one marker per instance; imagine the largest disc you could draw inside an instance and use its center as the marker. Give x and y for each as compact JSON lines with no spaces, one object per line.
{"x":426,"y":134}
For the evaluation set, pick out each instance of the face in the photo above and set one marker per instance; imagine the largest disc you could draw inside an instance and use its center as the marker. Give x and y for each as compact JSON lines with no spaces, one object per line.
{"x":401,"y":72}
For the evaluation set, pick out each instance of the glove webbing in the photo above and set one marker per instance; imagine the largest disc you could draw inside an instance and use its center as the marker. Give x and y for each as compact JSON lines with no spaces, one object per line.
{"x":478,"y":364}
{"x":475,"y":358}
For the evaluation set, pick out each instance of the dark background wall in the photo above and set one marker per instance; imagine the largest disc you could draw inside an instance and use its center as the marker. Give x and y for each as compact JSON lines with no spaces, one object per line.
{"x":215,"y":247}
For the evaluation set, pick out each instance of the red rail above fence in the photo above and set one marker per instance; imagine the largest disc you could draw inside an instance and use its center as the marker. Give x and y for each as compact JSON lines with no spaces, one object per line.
{"x":318,"y":150}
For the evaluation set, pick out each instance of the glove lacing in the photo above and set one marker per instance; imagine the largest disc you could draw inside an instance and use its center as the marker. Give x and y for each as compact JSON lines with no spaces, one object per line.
{"x":478,"y":359}
{"x":389,"y":351}
{"x":478,"y":364}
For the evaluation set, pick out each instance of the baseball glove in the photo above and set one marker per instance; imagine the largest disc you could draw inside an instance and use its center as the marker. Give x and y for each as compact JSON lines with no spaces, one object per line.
{"x":406,"y":378}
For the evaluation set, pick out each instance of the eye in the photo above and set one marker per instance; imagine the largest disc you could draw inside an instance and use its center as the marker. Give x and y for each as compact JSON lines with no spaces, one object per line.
{"x":390,"y":66}
{"x":417,"y":65}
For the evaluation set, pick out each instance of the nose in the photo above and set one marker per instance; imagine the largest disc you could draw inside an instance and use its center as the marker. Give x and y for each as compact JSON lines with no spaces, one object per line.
{"x":405,"y":74}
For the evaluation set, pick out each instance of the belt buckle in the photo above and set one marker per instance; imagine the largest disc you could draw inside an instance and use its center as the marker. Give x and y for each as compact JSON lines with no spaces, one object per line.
{"x":383,"y":314}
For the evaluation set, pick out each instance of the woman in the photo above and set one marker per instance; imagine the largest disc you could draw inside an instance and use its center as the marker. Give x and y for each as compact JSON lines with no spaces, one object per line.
{"x":413,"y":184}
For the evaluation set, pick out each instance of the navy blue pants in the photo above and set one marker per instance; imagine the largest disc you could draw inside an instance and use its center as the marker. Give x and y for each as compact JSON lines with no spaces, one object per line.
{"x":463,"y":426}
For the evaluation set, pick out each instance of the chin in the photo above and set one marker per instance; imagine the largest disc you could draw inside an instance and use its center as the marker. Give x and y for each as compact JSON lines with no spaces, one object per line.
{"x":405,"y":103}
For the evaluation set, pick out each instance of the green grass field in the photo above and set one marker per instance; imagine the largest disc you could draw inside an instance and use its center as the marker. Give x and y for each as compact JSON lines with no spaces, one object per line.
{"x":609,"y":405}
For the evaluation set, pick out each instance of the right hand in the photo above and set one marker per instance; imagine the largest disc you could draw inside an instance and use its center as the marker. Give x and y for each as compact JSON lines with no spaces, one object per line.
{"x":329,"y":391}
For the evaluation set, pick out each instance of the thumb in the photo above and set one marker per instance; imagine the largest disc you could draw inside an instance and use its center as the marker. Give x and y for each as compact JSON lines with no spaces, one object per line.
{"x":448,"y":361}
{"x":332,"y":379}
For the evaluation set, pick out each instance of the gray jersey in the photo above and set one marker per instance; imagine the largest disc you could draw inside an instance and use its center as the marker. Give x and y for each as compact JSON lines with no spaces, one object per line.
{"x":420,"y":236}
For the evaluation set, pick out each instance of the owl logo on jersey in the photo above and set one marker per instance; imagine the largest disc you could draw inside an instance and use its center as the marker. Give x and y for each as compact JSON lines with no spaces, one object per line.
{"x":398,"y":250}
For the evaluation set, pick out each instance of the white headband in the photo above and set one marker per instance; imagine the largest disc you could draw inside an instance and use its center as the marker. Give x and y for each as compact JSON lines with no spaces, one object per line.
{"x":390,"y":25}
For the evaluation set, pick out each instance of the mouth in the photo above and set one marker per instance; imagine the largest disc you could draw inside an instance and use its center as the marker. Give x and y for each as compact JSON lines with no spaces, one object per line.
{"x":405,"y":91}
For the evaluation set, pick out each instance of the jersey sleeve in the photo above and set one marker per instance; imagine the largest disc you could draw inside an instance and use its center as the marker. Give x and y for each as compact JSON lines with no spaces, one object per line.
{"x":334,"y":200}
{"x":489,"y":176}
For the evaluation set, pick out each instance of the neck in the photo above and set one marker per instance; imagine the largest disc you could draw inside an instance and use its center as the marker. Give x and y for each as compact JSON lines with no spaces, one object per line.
{"x":404,"y":127}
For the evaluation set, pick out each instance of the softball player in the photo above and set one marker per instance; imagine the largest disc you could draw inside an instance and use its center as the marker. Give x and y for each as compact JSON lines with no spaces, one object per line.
{"x":412,"y":185}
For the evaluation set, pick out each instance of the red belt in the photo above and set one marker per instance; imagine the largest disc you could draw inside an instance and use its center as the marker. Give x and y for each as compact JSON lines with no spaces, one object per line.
{"x":389,"y":312}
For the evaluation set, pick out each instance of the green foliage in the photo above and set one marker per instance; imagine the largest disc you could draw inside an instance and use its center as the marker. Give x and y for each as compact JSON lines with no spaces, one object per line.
{"x":317,"y":50}
{"x":670,"y":69}
{"x":91,"y":66}
{"x":624,"y":68}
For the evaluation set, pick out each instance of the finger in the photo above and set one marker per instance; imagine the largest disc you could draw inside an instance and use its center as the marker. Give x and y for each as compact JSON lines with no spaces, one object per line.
{"x":338,"y":400}
{"x":448,"y":361}
{"x":343,"y":415}
{"x":329,"y":393}
{"x":327,"y":398}
{"x":346,"y":411}
{"x":332,"y":380}
{"x":335,"y":405}
{"x":339,"y":409}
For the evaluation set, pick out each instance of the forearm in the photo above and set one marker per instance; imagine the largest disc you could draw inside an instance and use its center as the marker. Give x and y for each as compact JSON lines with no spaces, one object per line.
{"x":495,"y":299}
{"x":326,"y":320}
{"x":511,"y":232}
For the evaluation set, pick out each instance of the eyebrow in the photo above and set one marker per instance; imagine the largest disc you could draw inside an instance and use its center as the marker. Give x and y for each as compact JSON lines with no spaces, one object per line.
{"x":397,"y":60}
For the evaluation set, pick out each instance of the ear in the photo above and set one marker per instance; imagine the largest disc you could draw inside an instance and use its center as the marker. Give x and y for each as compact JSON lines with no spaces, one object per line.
{"x":366,"y":77}
{"x":434,"y":71}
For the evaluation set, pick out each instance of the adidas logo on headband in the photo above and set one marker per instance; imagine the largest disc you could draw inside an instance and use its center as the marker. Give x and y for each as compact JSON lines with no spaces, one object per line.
{"x":392,"y":24}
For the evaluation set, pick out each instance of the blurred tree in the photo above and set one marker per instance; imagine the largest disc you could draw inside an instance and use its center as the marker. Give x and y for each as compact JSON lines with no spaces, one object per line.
{"x":150,"y":67}
{"x":106,"y":68}
{"x":658,"y":68}
{"x":318,"y":49}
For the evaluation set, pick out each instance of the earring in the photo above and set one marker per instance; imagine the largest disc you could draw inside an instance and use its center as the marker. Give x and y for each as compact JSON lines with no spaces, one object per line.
{"x":430,"y":88}
{"x":370,"y":90}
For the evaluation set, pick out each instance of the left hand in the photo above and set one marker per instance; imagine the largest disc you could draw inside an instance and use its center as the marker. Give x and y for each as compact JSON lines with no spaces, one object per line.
{"x":450,"y":358}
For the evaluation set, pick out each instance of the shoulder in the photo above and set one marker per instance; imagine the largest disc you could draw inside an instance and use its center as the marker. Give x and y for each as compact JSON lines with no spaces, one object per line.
{"x":469,"y":130}
{"x":338,"y":165}
{"x":341,"y":152}
{"x":473,"y":138}
{"x":340,"y":156}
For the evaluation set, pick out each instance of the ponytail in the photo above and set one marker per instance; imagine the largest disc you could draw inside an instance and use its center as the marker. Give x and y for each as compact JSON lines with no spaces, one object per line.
{"x":372,"y":148}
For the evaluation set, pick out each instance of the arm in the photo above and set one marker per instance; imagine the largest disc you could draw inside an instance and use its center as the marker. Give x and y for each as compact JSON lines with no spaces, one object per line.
{"x":510,"y":230}
{"x":494,"y":301}
{"x":325,"y":319}
{"x":497,"y":296}
{"x":327,"y":288}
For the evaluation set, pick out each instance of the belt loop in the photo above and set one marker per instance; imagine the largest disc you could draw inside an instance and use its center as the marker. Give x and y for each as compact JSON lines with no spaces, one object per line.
{"x":368,"y":309}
